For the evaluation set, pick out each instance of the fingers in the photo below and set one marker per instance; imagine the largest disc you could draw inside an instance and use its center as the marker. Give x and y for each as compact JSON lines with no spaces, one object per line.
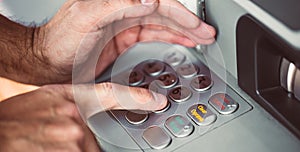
{"x":44,"y":120}
{"x":106,"y":96}
{"x":60,"y":129}
{"x":148,"y":34}
{"x":104,"y":12}
{"x":200,"y":34}
{"x":174,"y":10}
{"x":89,"y":143}
{"x":59,"y":134}
{"x":192,"y":27}
{"x":48,"y":102}
{"x":124,"y":97}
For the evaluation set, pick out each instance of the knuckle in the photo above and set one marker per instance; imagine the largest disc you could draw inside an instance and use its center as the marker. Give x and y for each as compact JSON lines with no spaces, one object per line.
{"x":106,"y":3}
{"x":50,"y":90}
{"x":63,"y":130}
{"x":105,"y":89}
{"x":13,"y":145}
{"x":76,"y":131}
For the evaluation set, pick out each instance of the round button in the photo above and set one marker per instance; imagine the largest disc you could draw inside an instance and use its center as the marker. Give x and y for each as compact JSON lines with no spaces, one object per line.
{"x":180,"y":94}
{"x":135,"y":78}
{"x":167,"y":80}
{"x":187,"y":70}
{"x":201,"y":83}
{"x":145,"y":86}
{"x":174,"y":58}
{"x":136,"y":117}
{"x":154,"y":67}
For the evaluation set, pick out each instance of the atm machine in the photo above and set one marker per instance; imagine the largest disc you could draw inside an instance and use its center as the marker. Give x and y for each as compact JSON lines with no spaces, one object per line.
{"x":250,"y":99}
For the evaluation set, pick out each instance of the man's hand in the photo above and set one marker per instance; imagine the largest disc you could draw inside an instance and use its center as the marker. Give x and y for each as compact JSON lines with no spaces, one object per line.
{"x":100,"y":29}
{"x":47,"y":119}
{"x":112,"y":27}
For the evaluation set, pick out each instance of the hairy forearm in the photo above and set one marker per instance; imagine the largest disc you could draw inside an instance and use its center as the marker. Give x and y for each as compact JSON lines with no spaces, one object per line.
{"x":20,"y":58}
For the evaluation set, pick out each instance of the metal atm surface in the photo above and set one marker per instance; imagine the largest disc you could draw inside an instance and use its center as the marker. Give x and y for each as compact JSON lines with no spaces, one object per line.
{"x":256,"y":130}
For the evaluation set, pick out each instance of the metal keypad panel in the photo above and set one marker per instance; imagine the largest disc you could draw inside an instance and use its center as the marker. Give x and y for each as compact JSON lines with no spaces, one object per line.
{"x":198,"y":101}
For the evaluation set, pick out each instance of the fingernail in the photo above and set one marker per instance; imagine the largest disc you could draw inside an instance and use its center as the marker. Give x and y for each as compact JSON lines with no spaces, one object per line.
{"x":160,"y":99}
{"x":148,"y":2}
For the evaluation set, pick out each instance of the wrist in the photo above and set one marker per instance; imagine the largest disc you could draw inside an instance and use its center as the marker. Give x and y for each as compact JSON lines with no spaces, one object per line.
{"x":44,"y":54}
{"x":22,"y":56}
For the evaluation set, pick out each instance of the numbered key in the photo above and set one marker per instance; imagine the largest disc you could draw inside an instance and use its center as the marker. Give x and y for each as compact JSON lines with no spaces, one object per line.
{"x":187,"y":70}
{"x":135,"y":78}
{"x":201,"y":83}
{"x":167,"y":80}
{"x":174,"y":58}
{"x":180,"y":94}
{"x":154,"y":67}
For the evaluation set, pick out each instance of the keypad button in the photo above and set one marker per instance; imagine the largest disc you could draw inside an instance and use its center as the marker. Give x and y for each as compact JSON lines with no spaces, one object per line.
{"x":135,"y":78}
{"x":223,"y":103}
{"x":167,"y":80}
{"x":154,"y":67}
{"x":201,"y":83}
{"x":156,"y":137}
{"x":136,"y":117}
{"x":145,"y":86}
{"x":201,"y":115}
{"x":180,"y":94}
{"x":187,"y":70}
{"x":174,"y":58}
{"x":179,"y":126}
{"x":164,"y":109}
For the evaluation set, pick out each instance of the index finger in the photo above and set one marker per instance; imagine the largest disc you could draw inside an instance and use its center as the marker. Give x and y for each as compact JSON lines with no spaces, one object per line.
{"x":92,"y":99}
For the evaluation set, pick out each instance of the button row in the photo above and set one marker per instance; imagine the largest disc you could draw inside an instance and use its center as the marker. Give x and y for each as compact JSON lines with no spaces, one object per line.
{"x":178,"y":125}
{"x":156,"y":67}
{"x":168,"y":80}
{"x":199,"y":113}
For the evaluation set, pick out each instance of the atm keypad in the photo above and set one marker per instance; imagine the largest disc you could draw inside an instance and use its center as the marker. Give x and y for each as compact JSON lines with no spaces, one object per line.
{"x":197,"y":103}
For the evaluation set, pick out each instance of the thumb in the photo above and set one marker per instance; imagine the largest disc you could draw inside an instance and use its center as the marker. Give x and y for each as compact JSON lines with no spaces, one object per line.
{"x":91,"y":99}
